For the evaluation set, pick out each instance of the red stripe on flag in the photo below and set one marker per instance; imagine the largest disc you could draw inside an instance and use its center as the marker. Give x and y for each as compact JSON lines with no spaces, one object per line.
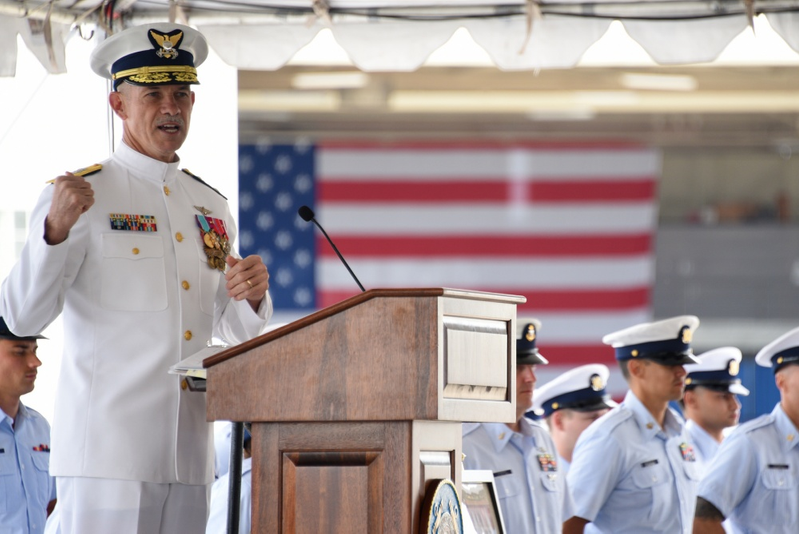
{"x":539,"y":301}
{"x":574,"y":355}
{"x":486,"y":246}
{"x":584,"y":300}
{"x":393,"y":190}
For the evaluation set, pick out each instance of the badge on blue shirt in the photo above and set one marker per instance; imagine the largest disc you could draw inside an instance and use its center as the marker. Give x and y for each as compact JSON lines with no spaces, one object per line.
{"x":687,"y":452}
{"x":547,"y":462}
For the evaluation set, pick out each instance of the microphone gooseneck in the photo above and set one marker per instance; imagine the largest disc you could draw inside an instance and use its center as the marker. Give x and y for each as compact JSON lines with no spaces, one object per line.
{"x":307,"y":215}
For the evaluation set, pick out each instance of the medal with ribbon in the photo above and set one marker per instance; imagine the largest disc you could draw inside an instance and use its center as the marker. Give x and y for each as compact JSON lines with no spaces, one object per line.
{"x":215,"y":239}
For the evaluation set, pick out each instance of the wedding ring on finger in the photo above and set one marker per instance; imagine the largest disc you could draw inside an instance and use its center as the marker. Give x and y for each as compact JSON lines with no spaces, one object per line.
{"x":249,"y":283}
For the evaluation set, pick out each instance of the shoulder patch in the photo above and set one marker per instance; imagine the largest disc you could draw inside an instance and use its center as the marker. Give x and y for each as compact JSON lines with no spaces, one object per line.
{"x":85,"y":171}
{"x":187,"y":171}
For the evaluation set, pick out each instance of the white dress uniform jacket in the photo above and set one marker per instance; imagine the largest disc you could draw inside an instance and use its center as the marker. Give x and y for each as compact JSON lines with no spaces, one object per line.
{"x":630,"y":476}
{"x":134,"y":303}
{"x":754,"y":478}
{"x":531,"y":488}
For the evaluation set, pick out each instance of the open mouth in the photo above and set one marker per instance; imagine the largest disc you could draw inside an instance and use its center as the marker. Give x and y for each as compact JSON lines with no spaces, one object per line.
{"x":169,"y":128}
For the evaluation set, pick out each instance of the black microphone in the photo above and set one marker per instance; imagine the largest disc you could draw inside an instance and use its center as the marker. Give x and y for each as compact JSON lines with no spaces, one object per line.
{"x":307,"y":215}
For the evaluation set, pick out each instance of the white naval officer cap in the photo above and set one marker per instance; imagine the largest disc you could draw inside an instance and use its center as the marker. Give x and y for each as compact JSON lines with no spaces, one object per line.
{"x":160,"y":53}
{"x":667,"y":342}
{"x":581,"y":389}
{"x":781,"y":352}
{"x":717,"y":370}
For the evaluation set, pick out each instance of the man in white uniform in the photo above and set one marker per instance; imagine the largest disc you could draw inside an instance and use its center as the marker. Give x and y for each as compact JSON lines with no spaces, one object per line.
{"x":137,"y":254}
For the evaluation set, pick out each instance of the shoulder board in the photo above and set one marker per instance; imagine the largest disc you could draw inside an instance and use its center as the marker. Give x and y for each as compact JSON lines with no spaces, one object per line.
{"x":468,"y":428}
{"x":754,"y":424}
{"x":85,"y":171}
{"x":187,"y":171}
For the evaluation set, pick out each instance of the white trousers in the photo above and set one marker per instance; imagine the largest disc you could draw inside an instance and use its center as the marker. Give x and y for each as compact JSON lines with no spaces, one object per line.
{"x":107,"y":506}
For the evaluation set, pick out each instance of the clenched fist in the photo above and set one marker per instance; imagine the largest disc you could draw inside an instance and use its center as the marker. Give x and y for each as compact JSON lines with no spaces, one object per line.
{"x":73,"y":196}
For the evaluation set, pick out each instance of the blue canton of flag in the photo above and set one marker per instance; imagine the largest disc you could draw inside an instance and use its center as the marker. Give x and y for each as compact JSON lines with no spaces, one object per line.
{"x":274,"y":181}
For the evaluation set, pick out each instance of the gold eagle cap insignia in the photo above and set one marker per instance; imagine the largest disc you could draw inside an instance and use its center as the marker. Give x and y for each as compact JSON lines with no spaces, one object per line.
{"x":530,"y":335}
{"x":596,"y":383}
{"x":168,"y":43}
{"x":687,"y":335}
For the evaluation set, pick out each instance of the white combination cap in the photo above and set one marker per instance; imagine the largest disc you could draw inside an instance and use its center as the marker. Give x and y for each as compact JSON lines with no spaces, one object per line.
{"x":581,"y":389}
{"x":667,"y":342}
{"x":781,"y":352}
{"x":718,"y":370}
{"x":161,"y":53}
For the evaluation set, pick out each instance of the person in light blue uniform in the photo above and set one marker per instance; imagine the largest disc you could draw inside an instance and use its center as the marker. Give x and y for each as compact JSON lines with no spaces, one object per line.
{"x":754,"y":478}
{"x":27,"y":491}
{"x":634,"y":470}
{"x":710,"y":402}
{"x":530,"y":485}
{"x":570,"y":403}
{"x":217,"y":518}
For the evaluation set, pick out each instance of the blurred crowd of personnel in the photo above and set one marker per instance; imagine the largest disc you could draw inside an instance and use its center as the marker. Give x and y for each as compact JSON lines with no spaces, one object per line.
{"x":575,"y":461}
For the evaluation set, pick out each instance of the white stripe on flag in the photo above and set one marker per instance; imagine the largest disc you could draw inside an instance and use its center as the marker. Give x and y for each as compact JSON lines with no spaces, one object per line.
{"x":588,"y":273}
{"x":486,"y":164}
{"x":480,"y":219}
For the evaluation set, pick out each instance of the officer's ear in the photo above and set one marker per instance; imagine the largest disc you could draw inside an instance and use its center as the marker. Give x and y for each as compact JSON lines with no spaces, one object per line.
{"x":557,"y":419}
{"x":689,"y":398}
{"x":636,"y":367}
{"x":117,"y":102}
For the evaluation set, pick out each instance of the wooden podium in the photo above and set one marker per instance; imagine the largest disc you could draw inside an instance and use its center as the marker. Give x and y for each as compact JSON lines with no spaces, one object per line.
{"x":356,"y":407}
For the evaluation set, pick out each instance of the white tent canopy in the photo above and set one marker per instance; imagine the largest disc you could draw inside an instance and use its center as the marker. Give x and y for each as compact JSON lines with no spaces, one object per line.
{"x":379,"y":35}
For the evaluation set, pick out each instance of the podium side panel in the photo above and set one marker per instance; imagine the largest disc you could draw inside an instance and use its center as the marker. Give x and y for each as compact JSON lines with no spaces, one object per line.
{"x":374,"y":362}
{"x":477,"y":360}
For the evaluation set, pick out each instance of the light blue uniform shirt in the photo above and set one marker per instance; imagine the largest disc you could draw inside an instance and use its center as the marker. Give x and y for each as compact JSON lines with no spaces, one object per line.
{"x":630,"y":476}
{"x":26,"y":486}
{"x":531,"y":488}
{"x":217,"y":518}
{"x":754,"y":478}
{"x":704,"y":445}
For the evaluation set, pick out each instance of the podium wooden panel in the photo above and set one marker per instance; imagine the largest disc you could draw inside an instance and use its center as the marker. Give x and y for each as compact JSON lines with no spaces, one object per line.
{"x":356,"y":407}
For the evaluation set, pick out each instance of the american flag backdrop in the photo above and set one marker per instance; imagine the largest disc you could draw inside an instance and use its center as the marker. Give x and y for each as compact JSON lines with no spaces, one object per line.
{"x":569,"y":226}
